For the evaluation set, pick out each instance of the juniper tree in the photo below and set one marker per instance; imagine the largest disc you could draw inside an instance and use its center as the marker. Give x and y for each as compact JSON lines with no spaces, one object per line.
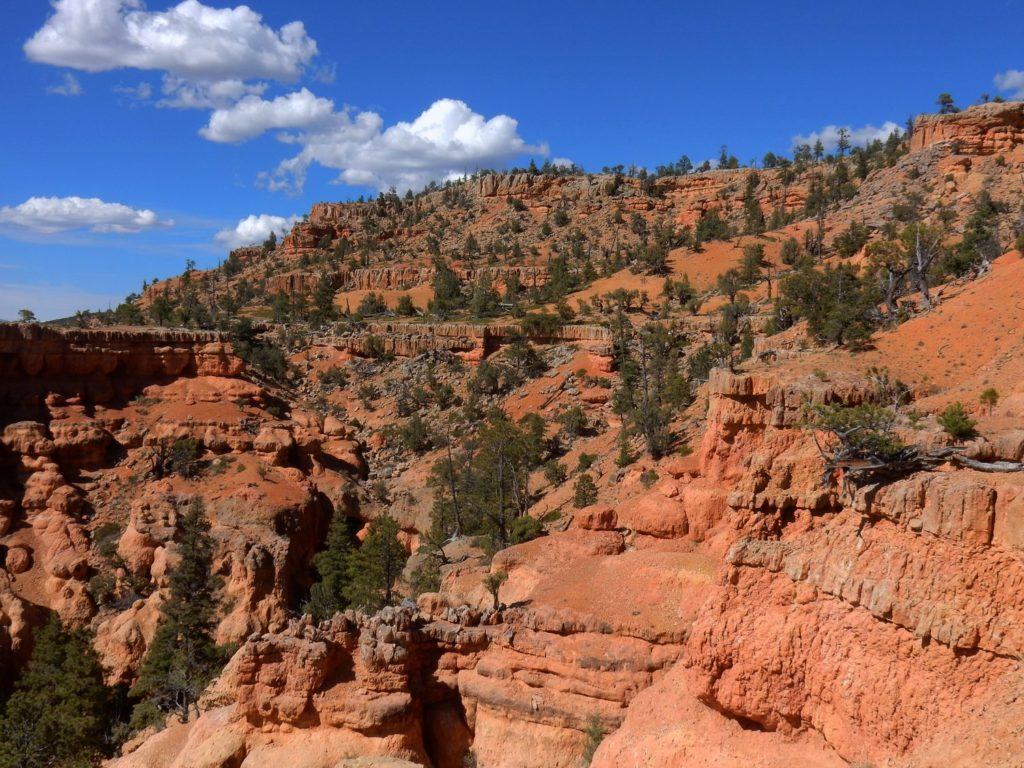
{"x":680,"y":290}
{"x":499,"y":488}
{"x":848,"y":242}
{"x":485,"y":300}
{"x":864,"y":433}
{"x":906,"y":263}
{"x":625,"y":456}
{"x":183,"y":657}
{"x":752,"y":212}
{"x":980,"y":243}
{"x":755,"y":266}
{"x":405,"y":306}
{"x":946,"y":105}
{"x":415,"y":435}
{"x":160,"y":310}
{"x":324,"y":310}
{"x":730,"y":283}
{"x":839,"y":307}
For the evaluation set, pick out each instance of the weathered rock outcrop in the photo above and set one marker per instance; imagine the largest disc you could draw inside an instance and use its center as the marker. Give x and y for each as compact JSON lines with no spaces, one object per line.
{"x":98,"y":366}
{"x":983,"y":129}
{"x":476,"y":341}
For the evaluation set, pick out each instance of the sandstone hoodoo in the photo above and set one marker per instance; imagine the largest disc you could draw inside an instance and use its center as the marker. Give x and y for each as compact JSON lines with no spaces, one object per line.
{"x":540,"y":468}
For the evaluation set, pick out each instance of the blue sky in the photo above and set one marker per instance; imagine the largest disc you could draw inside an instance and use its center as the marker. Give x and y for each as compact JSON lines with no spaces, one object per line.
{"x":166,"y":121}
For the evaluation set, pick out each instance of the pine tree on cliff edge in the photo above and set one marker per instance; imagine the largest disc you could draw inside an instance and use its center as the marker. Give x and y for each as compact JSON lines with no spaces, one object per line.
{"x":183,"y":657}
{"x":376,"y":566}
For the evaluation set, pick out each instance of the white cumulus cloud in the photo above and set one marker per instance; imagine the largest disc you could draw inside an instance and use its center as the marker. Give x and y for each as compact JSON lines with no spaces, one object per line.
{"x":446,"y":141}
{"x":47,"y":215}
{"x":254,"y":229}
{"x":1011,"y":81}
{"x":859,"y":137}
{"x":191,"y":41}
{"x":69,"y":86}
{"x":209,"y":57}
{"x":253,"y":116}
{"x":223,"y":59}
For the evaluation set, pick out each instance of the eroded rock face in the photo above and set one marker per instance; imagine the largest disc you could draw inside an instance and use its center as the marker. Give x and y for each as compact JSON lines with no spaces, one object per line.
{"x":984,"y":129}
{"x":35,"y":350}
{"x":417,"y":684}
{"x":86,"y":527}
{"x":316,"y":695}
{"x":879,"y":621}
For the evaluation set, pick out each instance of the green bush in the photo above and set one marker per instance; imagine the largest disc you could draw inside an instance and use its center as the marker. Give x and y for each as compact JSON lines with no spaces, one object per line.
{"x":414,"y":435}
{"x":367,"y":394}
{"x":525,"y":528}
{"x":102,"y":588}
{"x":791,"y":252}
{"x":573,"y":421}
{"x":179,"y":457}
{"x":405,"y":306}
{"x":955,"y":421}
{"x":851,"y":240}
{"x":595,"y":735}
{"x":554,"y":473}
{"x":334,"y":377}
{"x":269,"y":360}
{"x":374,"y":348}
{"x":372,"y":304}
{"x":542,"y":324}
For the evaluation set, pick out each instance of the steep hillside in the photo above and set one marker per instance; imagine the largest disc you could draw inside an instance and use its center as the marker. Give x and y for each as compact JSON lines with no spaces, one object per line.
{"x":616,"y":423}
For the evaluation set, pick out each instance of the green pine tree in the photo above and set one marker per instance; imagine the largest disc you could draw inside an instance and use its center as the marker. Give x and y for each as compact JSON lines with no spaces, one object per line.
{"x":625,"y":457}
{"x":183,"y":657}
{"x":584,"y":492}
{"x":327,"y":596}
{"x":374,"y":568}
{"x":56,"y":715}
